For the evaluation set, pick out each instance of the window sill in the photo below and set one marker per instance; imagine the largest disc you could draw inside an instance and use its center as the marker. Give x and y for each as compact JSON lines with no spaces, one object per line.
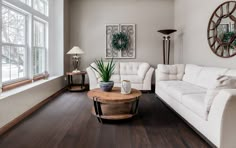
{"x":25,"y":87}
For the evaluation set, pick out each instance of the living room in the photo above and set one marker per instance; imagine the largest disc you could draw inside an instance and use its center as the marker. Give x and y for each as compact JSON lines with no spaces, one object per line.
{"x":155,"y":49}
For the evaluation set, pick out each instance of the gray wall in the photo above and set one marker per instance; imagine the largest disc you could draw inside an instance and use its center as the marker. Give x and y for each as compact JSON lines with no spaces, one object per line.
{"x":191,"y":45}
{"x":88,"y":19}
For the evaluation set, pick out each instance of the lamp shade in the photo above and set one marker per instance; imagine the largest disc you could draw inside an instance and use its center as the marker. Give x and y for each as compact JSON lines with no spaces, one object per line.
{"x":75,"y":50}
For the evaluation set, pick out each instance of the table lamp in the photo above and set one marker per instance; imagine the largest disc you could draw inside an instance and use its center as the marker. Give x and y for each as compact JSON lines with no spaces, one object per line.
{"x":166,"y":44}
{"x":76,"y":51}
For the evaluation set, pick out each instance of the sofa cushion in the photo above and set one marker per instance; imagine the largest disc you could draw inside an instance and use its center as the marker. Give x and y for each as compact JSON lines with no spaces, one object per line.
{"x":132,"y":78}
{"x":207,"y":76}
{"x":115,"y":78}
{"x":195,"y":103}
{"x":170,"y":72}
{"x":129,"y":68}
{"x":168,"y":69}
{"x":142,"y":70}
{"x":191,"y":73}
{"x":117,"y":68}
{"x":177,"y":89}
{"x":96,"y":73}
{"x":166,"y":84}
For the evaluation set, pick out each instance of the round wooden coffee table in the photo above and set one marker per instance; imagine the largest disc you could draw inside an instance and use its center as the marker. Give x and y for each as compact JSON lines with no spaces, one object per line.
{"x":114,"y":105}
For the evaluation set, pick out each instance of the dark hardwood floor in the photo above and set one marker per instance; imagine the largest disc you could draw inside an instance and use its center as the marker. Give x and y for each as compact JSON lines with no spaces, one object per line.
{"x":66,"y":122}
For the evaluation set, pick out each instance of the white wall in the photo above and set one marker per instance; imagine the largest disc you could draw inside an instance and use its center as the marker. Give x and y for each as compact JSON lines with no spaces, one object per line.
{"x":56,"y":38}
{"x":15,"y":105}
{"x":191,"y":45}
{"x":88,"y":19}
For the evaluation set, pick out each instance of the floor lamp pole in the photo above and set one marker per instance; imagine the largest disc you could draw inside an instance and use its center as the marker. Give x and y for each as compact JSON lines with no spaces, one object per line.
{"x":166,"y":49}
{"x":166,"y":44}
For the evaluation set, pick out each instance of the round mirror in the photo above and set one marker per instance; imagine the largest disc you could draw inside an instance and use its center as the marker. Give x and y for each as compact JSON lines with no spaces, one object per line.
{"x":222,"y":30}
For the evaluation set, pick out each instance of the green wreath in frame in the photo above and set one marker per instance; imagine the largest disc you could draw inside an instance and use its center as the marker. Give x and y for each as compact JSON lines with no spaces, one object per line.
{"x":120,"y":41}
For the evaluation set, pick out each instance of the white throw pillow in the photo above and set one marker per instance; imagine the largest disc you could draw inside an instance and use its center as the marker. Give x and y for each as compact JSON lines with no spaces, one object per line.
{"x":191,"y":73}
{"x":170,"y":72}
{"x":222,"y":82}
{"x":166,"y":72}
{"x":167,"y":69}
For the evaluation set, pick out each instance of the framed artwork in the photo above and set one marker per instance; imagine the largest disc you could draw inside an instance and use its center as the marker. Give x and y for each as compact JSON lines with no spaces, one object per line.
{"x":128,"y":29}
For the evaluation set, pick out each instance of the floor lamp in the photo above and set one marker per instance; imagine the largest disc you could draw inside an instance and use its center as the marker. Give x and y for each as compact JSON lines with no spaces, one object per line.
{"x":166,"y":44}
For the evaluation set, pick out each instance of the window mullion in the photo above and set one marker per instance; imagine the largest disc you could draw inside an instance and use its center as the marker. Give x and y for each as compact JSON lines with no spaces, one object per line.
{"x":30,"y":53}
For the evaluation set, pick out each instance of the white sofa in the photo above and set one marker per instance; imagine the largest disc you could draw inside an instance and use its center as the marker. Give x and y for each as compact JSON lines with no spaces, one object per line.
{"x":187,"y":88}
{"x":139,"y":73}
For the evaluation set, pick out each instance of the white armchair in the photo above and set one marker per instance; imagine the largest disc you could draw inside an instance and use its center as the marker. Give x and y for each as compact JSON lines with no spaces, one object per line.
{"x":139,"y":73}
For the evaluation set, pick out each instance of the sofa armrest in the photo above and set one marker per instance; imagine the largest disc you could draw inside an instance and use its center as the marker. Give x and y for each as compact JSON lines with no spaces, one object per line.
{"x":93,"y":81}
{"x":143,"y":69}
{"x":222,"y":118}
{"x":147,"y":82}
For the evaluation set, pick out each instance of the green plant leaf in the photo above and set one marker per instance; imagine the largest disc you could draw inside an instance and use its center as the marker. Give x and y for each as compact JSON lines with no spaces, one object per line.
{"x":105,"y":71}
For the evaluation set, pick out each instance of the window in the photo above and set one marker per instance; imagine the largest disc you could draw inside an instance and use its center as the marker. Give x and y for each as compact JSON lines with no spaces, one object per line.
{"x":13,"y":44}
{"x":39,"y":48}
{"x":23,"y":40}
{"x":13,"y":26}
{"x":28,"y":2}
{"x":38,"y":5}
{"x":41,"y":6}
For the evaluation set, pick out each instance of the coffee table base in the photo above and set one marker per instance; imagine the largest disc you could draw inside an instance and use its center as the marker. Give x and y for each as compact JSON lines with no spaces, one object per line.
{"x":115,"y":111}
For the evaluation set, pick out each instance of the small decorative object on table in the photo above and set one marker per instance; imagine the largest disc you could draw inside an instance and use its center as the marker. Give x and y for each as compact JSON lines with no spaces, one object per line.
{"x":125,"y":87}
{"x":105,"y":70}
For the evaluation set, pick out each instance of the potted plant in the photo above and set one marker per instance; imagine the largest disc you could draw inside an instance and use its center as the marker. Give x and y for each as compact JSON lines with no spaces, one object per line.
{"x":105,"y":71}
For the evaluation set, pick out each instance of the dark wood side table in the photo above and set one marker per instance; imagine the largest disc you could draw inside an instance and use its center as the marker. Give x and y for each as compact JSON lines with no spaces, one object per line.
{"x":76,"y":87}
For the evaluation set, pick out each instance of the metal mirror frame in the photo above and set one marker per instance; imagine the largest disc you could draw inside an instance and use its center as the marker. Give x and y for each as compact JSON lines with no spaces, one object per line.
{"x":214,"y":31}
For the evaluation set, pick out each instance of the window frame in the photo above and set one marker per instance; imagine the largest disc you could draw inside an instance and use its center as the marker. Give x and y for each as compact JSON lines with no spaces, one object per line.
{"x":31,"y":15}
{"x":46,"y":11}
{"x":45,"y":46}
{"x":27,"y":2}
{"x":26,"y":67}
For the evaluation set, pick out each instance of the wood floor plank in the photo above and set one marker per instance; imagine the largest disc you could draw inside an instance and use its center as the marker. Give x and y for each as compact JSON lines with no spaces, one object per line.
{"x":67,"y":122}
{"x":90,"y":137}
{"x":123,"y":136}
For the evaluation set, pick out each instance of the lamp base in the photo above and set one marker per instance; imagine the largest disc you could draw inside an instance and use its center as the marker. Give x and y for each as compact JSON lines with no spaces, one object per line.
{"x":76,"y":70}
